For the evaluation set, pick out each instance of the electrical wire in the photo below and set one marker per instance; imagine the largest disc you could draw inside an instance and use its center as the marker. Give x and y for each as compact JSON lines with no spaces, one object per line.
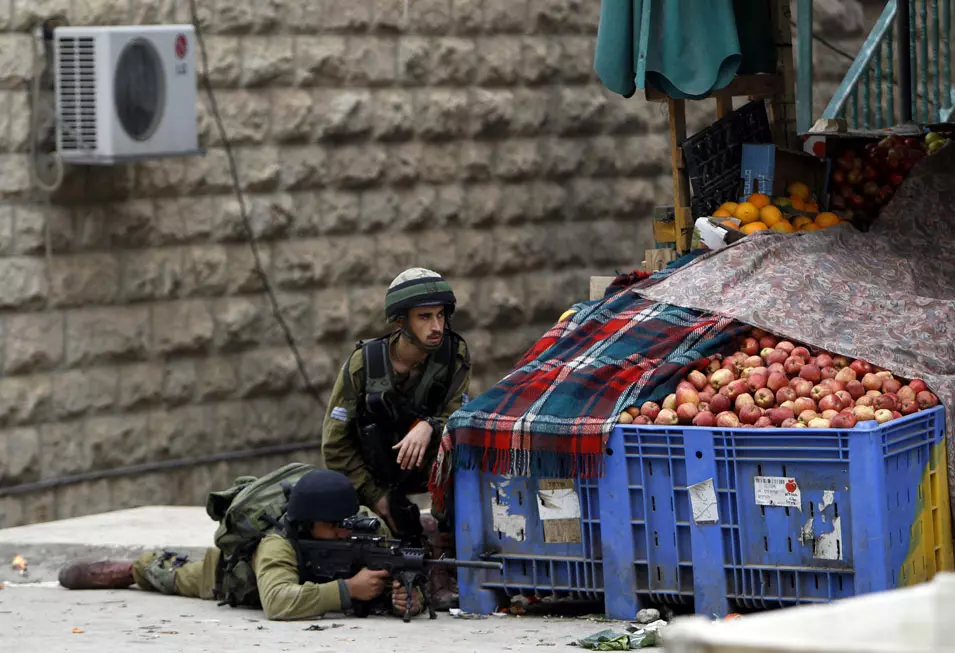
{"x":246,"y":223}
{"x":38,"y":181}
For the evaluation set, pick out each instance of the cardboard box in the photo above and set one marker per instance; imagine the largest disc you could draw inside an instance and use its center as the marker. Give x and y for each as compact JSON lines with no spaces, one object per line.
{"x":769,"y":169}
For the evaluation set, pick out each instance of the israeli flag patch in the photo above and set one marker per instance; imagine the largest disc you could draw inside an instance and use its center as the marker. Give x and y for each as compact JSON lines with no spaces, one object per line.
{"x":465,"y":398}
{"x":340,"y":414}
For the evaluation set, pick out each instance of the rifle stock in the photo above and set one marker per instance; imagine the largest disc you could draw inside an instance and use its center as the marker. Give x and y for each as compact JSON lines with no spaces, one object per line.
{"x":345,"y":558}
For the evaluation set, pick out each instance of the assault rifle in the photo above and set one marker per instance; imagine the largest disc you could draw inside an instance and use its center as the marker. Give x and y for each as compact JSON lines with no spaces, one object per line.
{"x":345,"y":558}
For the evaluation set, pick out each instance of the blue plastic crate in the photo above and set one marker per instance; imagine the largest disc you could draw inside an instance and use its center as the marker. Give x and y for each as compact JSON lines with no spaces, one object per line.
{"x":501,"y":517}
{"x":867,"y":510}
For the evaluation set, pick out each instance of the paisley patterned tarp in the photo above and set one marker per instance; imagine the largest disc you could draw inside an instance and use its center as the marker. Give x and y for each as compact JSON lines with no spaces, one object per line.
{"x":887,"y":296}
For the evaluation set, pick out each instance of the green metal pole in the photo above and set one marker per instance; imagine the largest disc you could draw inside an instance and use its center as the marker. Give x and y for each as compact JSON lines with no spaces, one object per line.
{"x":804,"y":65}
{"x":936,"y":52}
{"x":906,"y":78}
{"x":947,"y":47}
{"x":923,"y":59}
{"x":890,"y":96}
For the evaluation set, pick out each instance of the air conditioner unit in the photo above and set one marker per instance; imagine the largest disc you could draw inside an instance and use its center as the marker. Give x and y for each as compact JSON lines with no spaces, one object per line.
{"x":125,"y":93}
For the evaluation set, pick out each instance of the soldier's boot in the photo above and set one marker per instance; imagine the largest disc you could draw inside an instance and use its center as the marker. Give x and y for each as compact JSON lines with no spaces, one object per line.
{"x":97,"y":575}
{"x":442,"y":580}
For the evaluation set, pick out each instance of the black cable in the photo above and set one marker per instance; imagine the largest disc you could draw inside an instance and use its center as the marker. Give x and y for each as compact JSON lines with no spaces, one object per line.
{"x":164,"y":465}
{"x":250,"y":234}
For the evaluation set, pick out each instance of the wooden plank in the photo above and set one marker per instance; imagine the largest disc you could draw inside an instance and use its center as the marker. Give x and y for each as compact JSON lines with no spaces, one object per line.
{"x":782,"y":107}
{"x":598,"y":285}
{"x":657,"y":259}
{"x":681,"y":184}
{"x":664,"y":232}
{"x":564,"y":531}
{"x":724,"y":105}
{"x":754,"y":86}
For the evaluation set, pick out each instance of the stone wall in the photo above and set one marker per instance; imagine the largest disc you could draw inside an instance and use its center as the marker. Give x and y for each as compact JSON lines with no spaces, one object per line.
{"x":472,"y":139}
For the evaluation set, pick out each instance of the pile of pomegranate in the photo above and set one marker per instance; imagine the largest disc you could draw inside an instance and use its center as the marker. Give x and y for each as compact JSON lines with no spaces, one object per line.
{"x":777,"y":383}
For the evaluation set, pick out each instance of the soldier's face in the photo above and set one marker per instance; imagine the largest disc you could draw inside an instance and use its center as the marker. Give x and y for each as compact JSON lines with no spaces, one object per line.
{"x":427,"y":323}
{"x":322,"y":530}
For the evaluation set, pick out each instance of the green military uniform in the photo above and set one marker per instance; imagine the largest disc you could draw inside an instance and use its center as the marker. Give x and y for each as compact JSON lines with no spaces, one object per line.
{"x":283,"y":597}
{"x":340,"y":445}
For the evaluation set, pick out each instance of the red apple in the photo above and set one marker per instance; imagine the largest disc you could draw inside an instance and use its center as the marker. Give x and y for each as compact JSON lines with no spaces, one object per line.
{"x":807,"y":416}
{"x":861,"y":367}
{"x":824,"y":360}
{"x":819,"y":423}
{"x":757,"y":333}
{"x":846,"y":374}
{"x":764,"y":398}
{"x":843,"y":421}
{"x":918,"y":385}
{"x":803,"y":387}
{"x":768,"y":341}
{"x":882,"y":416}
{"x":642,"y":420}
{"x":777,"y":356}
{"x":891,"y":385}
{"x":872,"y":381}
{"x":698,"y":379}
{"x":650,"y":410}
{"x":687,"y":395}
{"x":786,"y":346}
{"x":926,"y":399}
{"x":791,"y":423}
{"x":756,"y":381}
{"x":840,"y":362}
{"x":906,"y":393}
{"x":855,"y":388}
{"x":776,"y":381}
{"x":736,"y":388}
{"x":846,"y":399}
{"x":811,"y":373}
{"x":829,"y":414}
{"x":705,"y":418}
{"x":686,"y":412}
{"x":744,"y":399}
{"x":791,"y":405}
{"x":750,"y":346}
{"x":866,"y":400}
{"x":765,"y":352}
{"x":786,"y":394}
{"x":666,"y":417}
{"x":670,"y":402}
{"x":803,"y":404}
{"x":819,"y":391}
{"x":829,"y":372}
{"x":720,"y":403}
{"x":793,"y":365}
{"x":753,"y":361}
{"x":763,"y":423}
{"x":780,"y":415}
{"x":777,"y":368}
{"x":864,"y":413}
{"x":749,"y":414}
{"x":727,"y":420}
{"x":830,"y":402}
{"x":885,"y":402}
{"x":721,"y":378}
{"x":908,"y":407}
{"x":801,"y":352}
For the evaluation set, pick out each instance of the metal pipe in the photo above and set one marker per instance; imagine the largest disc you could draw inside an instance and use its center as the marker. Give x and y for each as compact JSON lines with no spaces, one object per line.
{"x":905,"y":62}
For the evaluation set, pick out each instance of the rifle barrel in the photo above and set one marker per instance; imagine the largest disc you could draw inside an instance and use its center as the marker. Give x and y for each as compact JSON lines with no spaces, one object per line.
{"x":467,"y":564}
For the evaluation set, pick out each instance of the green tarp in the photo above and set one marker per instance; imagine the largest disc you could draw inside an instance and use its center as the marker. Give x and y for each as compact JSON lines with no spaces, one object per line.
{"x":684,"y":48}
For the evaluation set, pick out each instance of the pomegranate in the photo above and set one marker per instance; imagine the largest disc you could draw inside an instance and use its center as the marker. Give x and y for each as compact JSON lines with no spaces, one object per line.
{"x":846,"y":374}
{"x":891,"y":385}
{"x":855,"y":388}
{"x":811,"y":373}
{"x":687,"y":395}
{"x":686,"y":412}
{"x":918,"y":385}
{"x":698,"y":379}
{"x":926,"y":399}
{"x":819,"y":423}
{"x":786,"y":346}
{"x":704,"y":418}
{"x":803,"y":404}
{"x":882,"y":416}
{"x":749,"y":414}
{"x":666,"y":417}
{"x":764,"y":398}
{"x":807,"y":416}
{"x":650,"y":410}
{"x":864,"y":413}
{"x":721,"y":378}
{"x":744,"y":399}
{"x":793,"y":365}
{"x":720,"y":403}
{"x":727,"y":420}
{"x":843,"y":421}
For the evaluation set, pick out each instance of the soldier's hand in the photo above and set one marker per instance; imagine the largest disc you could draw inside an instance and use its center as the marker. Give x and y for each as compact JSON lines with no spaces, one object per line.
{"x":366,"y":584}
{"x":412,"y":447}
{"x":399,"y":599}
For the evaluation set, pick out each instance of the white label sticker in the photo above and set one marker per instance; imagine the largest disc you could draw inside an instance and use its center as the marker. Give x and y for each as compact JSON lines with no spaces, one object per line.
{"x":777,"y":491}
{"x":703,"y":503}
{"x":558,"y":504}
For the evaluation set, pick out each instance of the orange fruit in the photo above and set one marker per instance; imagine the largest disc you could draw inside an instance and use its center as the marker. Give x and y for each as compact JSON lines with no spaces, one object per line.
{"x":801,"y":221}
{"x":770,"y":215}
{"x":798,"y":189}
{"x":797,"y":203}
{"x":746,"y":213}
{"x":810,"y":227}
{"x":811,"y":207}
{"x":729,"y":206}
{"x":730,"y":225}
{"x":758,"y":200}
{"x":721,"y":213}
{"x":827,"y":219}
{"x":754,"y":226}
{"x":783,"y":226}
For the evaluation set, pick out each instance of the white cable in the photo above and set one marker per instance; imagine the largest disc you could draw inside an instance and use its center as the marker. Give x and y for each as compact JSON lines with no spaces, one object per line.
{"x":35,"y":126}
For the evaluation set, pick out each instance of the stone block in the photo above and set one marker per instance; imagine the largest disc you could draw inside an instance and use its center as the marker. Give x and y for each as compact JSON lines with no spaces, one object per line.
{"x":160,"y":177}
{"x":476,"y":160}
{"x":34,"y":342}
{"x":404,"y":161}
{"x":30,"y":224}
{"x":183,"y":327}
{"x":449,"y":206}
{"x":14,"y":119}
{"x":549,"y":201}
{"x":81,"y":499}
{"x":140,"y":385}
{"x":80,"y":392}
{"x":6,"y":230}
{"x":440,"y":162}
{"x":392,"y":116}
{"x":654,"y":156}
{"x":267,"y":60}
{"x":492,"y":112}
{"x":372,"y":61}
{"x":22,"y":283}
{"x":580,"y":112}
{"x":331,"y":318}
{"x":296,"y":311}
{"x":563,"y":158}
{"x":64,"y":449}
{"x":184,"y":432}
{"x":454,"y":62}
{"x":429,"y":16}
{"x":366,"y":308}
{"x":140,"y":490}
{"x":11,"y":511}
{"x":509,"y":345}
{"x":245,"y":116}
{"x":22,"y":461}
{"x":150,"y":274}
{"x":416,"y":208}
{"x":321,"y":60}
{"x":469,"y":15}
{"x":498,"y":61}
{"x":84,"y":279}
{"x":563,"y":16}
{"x":442,"y":114}
{"x":342,"y":115}
{"x":633,"y":199}
{"x":303,"y":263}
{"x":27,"y":14}
{"x":505,"y":16}
{"x":16,"y":62}
{"x":515,"y":204}
{"x":242,"y":275}
{"x":15,"y":180}
{"x":518,"y":160}
{"x":337,"y":212}
{"x":475,"y":251}
{"x":235,"y":17}
{"x":304,"y":17}
{"x":204,"y":270}
{"x":153,"y":12}
{"x":351,"y":16}
{"x":414,"y":60}
{"x":482,"y":204}
{"x":519,"y":249}
{"x":25,"y":399}
{"x":182,"y":220}
{"x":179,"y":382}
{"x":601,"y":156}
{"x":501,"y":304}
{"x":117,"y":440}
{"x":593,"y":198}
{"x":535,"y":117}
{"x":635,"y":116}
{"x":300,"y":420}
{"x":357,"y":166}
{"x":395,"y":253}
{"x":114,"y":226}
{"x":540,"y":60}
{"x":239,"y":322}
{"x":259,"y":169}
{"x":216,"y":378}
{"x":303,"y":168}
{"x":354,"y":261}
{"x":577,"y":62}
{"x":293,"y":116}
{"x":266,"y":372}
{"x":225,"y":61}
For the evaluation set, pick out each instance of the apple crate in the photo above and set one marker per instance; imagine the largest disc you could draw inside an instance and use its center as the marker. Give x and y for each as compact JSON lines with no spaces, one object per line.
{"x":766,"y":518}
{"x":546,"y":532}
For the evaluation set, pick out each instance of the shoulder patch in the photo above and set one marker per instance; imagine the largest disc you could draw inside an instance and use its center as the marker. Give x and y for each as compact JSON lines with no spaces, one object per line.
{"x":340,"y":414}
{"x":465,"y":398}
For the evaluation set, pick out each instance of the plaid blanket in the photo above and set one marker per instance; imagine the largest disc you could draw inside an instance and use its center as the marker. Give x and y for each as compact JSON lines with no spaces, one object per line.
{"x":552,"y":414}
